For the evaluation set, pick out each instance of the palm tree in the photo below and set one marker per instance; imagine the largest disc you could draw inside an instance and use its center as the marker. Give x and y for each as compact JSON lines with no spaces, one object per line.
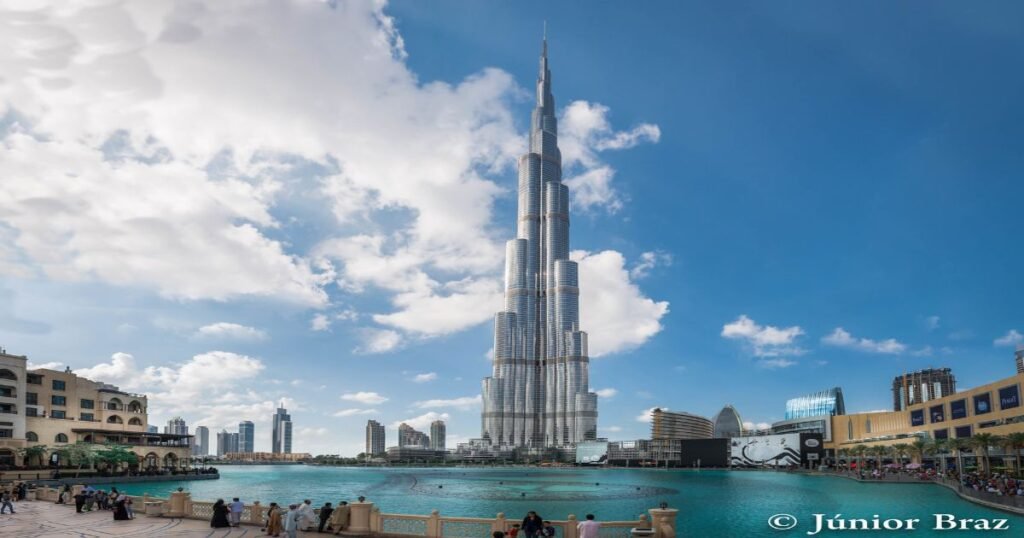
{"x":983,"y":441}
{"x":899,"y":450}
{"x":843,"y":454}
{"x":919,"y":447}
{"x":859,"y":450}
{"x":958,"y":445}
{"x":1015,"y":442}
{"x":939,"y":446}
{"x":878,"y":451}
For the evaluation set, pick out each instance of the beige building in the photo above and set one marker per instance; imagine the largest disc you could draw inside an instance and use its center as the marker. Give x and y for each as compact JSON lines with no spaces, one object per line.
{"x":56,"y":408}
{"x":993,"y":408}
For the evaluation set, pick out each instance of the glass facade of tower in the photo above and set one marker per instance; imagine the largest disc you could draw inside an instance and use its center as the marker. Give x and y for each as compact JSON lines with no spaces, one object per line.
{"x":538,"y":394}
{"x":826,"y":402}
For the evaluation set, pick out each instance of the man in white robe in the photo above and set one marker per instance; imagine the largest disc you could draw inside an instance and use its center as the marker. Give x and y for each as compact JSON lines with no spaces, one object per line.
{"x":307,"y":516}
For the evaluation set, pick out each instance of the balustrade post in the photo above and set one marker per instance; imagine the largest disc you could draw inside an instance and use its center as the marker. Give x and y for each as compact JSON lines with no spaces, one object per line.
{"x":434,"y":524}
{"x":572,"y":528}
{"x":645,"y":522}
{"x":664,"y":522}
{"x":256,"y":513}
{"x":177,"y":508}
{"x":376,"y":523}
{"x":360,"y":517}
{"x":499,"y":523}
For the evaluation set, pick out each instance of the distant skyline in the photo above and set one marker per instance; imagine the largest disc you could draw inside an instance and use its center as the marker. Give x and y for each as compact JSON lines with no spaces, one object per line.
{"x":308,"y":202}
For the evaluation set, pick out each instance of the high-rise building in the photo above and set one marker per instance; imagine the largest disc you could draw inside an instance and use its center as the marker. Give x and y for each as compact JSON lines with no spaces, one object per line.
{"x":176,"y":426}
{"x":152,"y":428}
{"x":227,"y":442}
{"x":823,"y":403}
{"x":409,"y":436}
{"x":672,"y":425}
{"x":374,"y":438}
{"x":922,"y":386}
{"x":437,"y":433}
{"x":201,"y":444}
{"x":727,"y":423}
{"x":538,"y":394}
{"x":247,"y":436}
{"x":281,"y":440}
{"x":1019,"y":354}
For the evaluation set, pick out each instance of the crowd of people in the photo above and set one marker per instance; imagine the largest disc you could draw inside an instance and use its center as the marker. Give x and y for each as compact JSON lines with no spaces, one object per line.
{"x":297,"y":517}
{"x":89,"y":499}
{"x":534,"y":526}
{"x":995,"y":483}
{"x":10,"y":494}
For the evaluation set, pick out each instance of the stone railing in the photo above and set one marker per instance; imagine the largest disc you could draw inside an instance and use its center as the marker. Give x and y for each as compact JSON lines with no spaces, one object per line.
{"x":367,"y":519}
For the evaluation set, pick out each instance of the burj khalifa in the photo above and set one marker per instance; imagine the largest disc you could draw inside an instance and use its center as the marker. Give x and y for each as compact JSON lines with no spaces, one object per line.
{"x":538,"y":394}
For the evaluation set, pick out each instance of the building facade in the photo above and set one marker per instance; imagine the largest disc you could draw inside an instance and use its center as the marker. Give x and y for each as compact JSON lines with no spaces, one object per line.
{"x":538,"y":394}
{"x":201,"y":442}
{"x":410,"y":437}
{"x":1019,"y":355}
{"x":823,"y":403}
{"x":176,"y":426}
{"x":673,"y":425}
{"x":247,"y":436}
{"x":922,"y":386}
{"x":227,"y":442}
{"x":281,"y":436}
{"x":53,"y":408}
{"x":727,"y":423}
{"x":375,"y":438}
{"x":437,"y":435}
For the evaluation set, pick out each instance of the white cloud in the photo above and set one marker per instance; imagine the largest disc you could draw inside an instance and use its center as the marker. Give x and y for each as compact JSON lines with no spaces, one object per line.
{"x":648,"y":414}
{"x":765,"y":341}
{"x":614,"y":312}
{"x":378,"y":340}
{"x":611,"y":429}
{"x":45,"y":365}
{"x":351,"y":412}
{"x":423,"y":421}
{"x":778,"y":362}
{"x":230,"y":330}
{"x":647,"y":262}
{"x":320,"y":322}
{"x":465,"y":402}
{"x":841,"y":338}
{"x":751,"y":426}
{"x":368,"y":398}
{"x":1011,"y":338}
{"x":584,"y":131}
{"x":424,"y":378}
{"x":932,"y":322}
{"x":606,"y":393}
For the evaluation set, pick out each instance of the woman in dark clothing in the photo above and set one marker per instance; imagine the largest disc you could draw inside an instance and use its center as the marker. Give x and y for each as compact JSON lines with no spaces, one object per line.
{"x":532,"y":525}
{"x":220,"y":515}
{"x":121,"y":509}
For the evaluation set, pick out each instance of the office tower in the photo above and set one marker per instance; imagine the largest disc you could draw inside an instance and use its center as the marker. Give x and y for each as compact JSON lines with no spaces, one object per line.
{"x":538,"y":393}
{"x":152,"y":429}
{"x":727,"y":423}
{"x":408,"y":436}
{"x":374,"y":438}
{"x":226,"y":442}
{"x":673,"y":425}
{"x":1019,"y":354}
{"x":201,"y":443}
{"x":826,"y":402}
{"x":176,"y":426}
{"x":246,"y":436}
{"x":281,"y":440}
{"x":437,"y":430}
{"x":922,"y":386}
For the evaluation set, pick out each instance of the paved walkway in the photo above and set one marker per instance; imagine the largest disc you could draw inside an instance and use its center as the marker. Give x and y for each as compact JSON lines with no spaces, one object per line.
{"x":38,"y":519}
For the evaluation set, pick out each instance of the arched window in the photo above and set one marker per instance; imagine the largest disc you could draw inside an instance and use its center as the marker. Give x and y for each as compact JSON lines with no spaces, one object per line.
{"x":114,"y":404}
{"x":135,"y":407}
{"x":114,"y":419}
{"x":867,"y":425}
{"x":134,"y":421}
{"x":87,"y":438}
{"x":849,"y":428}
{"x":60,"y":438}
{"x":7,"y":374}
{"x":32,"y":437}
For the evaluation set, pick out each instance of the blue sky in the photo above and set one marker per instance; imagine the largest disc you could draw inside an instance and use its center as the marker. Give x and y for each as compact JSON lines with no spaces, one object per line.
{"x":777,"y":199}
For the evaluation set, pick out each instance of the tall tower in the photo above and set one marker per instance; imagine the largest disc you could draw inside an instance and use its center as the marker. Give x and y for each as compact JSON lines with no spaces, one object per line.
{"x":281,"y":440}
{"x":246,"y":436}
{"x":374,"y":438}
{"x":437,"y":435}
{"x":538,"y":394}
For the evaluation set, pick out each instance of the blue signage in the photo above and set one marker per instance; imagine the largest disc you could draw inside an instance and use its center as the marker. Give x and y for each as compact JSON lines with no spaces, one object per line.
{"x":937,"y":413}
{"x":958,"y":409}
{"x":982,"y":404}
{"x":917,"y":418}
{"x":1009,"y":397}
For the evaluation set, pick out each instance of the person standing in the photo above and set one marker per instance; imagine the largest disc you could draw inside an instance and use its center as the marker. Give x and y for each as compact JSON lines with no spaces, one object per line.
{"x":90,"y":498}
{"x":121,"y":509}
{"x":220,"y":515}
{"x":339,"y":518}
{"x":589,"y":528}
{"x":291,"y":521}
{"x":325,"y":515}
{"x":128,"y":506}
{"x":5,"y":502}
{"x":235,"y":514}
{"x":79,"y":502}
{"x":274,"y":520}
{"x":549,"y":530}
{"x":307,"y":519}
{"x":532,"y":525}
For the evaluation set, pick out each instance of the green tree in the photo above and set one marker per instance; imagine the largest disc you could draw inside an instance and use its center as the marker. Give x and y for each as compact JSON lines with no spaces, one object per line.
{"x":939,"y":448}
{"x":918,"y":448}
{"x":958,"y":445}
{"x":116,"y":455}
{"x":879,"y":452}
{"x":983,"y":441}
{"x":35,"y":454}
{"x":1015,"y":442}
{"x":77,"y":455}
{"x":859,"y":451}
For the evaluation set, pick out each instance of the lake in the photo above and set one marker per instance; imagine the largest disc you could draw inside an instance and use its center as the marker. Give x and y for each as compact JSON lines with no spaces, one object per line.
{"x":710,"y":502}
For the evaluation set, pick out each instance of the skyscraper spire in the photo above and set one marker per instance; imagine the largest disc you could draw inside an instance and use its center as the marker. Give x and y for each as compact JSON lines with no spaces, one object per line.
{"x":538,"y":394}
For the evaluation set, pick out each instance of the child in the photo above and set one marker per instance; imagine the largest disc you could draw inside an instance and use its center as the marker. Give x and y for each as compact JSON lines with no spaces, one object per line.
{"x":549,"y":529}
{"x":514,"y":533}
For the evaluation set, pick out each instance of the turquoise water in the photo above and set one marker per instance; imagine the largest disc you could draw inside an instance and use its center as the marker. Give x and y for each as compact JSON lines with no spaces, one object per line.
{"x":710,"y":503}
